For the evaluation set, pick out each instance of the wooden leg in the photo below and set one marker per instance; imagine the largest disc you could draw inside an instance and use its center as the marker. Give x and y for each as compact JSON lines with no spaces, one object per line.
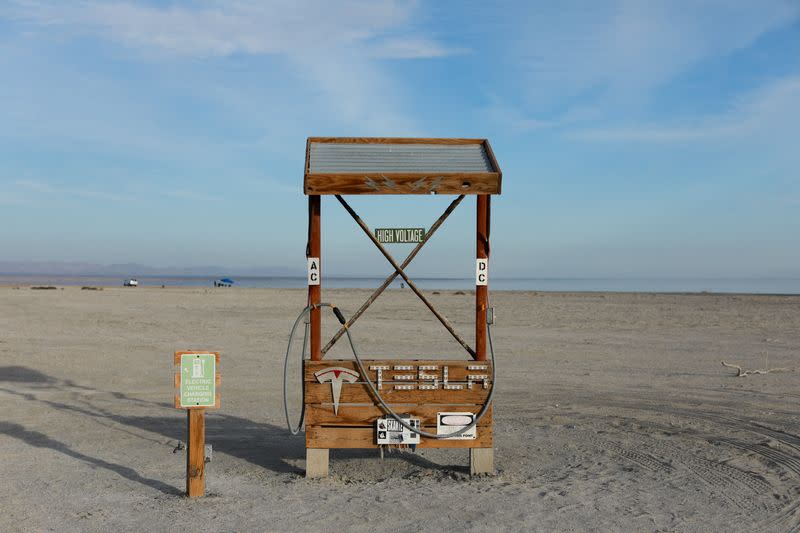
{"x":196,"y":453}
{"x":315,"y":291}
{"x":316,"y":462}
{"x":481,"y":291}
{"x":481,"y":461}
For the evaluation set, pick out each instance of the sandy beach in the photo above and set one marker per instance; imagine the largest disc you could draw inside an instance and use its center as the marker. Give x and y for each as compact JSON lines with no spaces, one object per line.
{"x":612,"y":413}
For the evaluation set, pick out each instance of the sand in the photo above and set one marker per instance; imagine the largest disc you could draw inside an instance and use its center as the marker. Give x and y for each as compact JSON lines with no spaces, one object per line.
{"x":612,"y":413}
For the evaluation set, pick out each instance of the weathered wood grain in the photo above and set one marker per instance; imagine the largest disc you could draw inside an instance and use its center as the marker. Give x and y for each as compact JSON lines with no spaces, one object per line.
{"x":365,"y":415}
{"x":315,"y":291}
{"x":195,"y":453}
{"x":481,"y":291}
{"x":320,"y":393}
{"x":402,"y":183}
{"x":340,"y":437}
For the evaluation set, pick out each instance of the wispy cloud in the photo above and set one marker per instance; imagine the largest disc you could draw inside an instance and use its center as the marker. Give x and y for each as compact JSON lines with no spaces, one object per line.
{"x":615,"y":54}
{"x":43,"y":188}
{"x":336,"y":48}
{"x":221,"y":28}
{"x":38,"y":189}
{"x":412,"y":48}
{"x":513,"y":118}
{"x":769,"y":112}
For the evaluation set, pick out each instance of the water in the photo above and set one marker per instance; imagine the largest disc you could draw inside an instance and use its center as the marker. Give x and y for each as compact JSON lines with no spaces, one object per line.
{"x":691,"y":285}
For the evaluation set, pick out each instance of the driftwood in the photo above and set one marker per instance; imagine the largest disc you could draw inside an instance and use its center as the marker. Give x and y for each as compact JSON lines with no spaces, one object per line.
{"x":744,"y":373}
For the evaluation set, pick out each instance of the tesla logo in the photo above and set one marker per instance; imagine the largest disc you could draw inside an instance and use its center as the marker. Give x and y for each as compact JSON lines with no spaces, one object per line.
{"x":336,"y":375}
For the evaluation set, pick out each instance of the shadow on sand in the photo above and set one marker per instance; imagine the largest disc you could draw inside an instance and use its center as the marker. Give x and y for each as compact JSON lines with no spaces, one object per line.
{"x":262,"y":444}
{"x":40,"y":440}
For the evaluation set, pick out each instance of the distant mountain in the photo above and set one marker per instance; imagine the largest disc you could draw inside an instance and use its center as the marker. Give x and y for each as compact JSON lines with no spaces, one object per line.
{"x":54,"y":268}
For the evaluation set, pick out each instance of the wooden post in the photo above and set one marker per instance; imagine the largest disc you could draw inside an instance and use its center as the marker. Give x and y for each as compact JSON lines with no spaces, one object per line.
{"x":196,"y":453}
{"x":316,"y":459}
{"x":481,"y":291}
{"x":481,"y":460}
{"x":315,"y":291}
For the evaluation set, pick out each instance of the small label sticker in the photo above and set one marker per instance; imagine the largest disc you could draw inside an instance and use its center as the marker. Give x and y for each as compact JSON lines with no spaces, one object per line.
{"x":448,"y":423}
{"x":389,"y":431}
{"x":482,"y":272}
{"x":313,"y":270}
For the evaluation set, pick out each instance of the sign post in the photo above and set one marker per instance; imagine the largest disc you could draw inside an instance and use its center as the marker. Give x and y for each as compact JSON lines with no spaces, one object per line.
{"x":196,"y":384}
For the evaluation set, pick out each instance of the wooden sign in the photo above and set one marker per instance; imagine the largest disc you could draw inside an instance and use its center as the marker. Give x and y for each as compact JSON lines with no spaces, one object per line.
{"x":196,"y":388}
{"x":420,"y":388}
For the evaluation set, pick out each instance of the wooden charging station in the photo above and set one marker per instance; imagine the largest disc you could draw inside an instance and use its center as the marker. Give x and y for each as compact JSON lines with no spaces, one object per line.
{"x":341,"y":411}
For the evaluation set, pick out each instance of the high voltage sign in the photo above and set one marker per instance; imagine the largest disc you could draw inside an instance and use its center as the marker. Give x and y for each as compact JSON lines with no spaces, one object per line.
{"x":399,"y":235}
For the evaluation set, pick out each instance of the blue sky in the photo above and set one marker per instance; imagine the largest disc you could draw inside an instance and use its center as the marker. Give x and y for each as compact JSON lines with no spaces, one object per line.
{"x":636,"y":138}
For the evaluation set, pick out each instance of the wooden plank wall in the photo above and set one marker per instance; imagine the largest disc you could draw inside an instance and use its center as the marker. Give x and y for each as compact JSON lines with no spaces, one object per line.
{"x":354,"y":424}
{"x":403,"y":183}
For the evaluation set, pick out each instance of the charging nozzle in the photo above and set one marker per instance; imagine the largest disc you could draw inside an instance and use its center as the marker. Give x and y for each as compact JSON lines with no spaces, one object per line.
{"x":339,"y":315}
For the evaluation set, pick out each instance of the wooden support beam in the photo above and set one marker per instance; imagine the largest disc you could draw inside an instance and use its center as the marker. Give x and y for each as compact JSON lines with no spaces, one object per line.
{"x":403,"y":183}
{"x":196,"y":453}
{"x":315,"y":291}
{"x":394,"y":274}
{"x":364,"y":438}
{"x":400,"y":271}
{"x":481,"y":291}
{"x":366,"y":415}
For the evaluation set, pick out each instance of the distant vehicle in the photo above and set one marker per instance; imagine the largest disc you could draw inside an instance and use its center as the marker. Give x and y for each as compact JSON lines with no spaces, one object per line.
{"x":224,"y":282}
{"x":130,"y":283}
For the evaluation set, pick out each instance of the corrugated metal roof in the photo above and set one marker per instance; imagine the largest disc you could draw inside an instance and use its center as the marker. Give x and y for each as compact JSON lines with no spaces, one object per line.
{"x":387,"y":157}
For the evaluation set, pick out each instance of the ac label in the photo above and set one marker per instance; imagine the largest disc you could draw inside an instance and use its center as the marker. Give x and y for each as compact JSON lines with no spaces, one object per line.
{"x":313,"y":270}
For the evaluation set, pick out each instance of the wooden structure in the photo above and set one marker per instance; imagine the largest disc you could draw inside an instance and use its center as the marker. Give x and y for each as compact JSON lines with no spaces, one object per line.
{"x":422,"y":388}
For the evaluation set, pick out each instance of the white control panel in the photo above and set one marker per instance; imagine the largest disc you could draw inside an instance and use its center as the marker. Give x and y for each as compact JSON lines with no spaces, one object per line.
{"x":389,"y":431}
{"x":447,"y":423}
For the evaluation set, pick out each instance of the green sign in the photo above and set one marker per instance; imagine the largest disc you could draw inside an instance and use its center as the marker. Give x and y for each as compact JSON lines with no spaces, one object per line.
{"x":198,"y":386}
{"x":399,"y":235}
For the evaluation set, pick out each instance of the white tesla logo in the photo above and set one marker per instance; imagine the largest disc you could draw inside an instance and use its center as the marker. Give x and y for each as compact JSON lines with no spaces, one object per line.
{"x":336,"y":375}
